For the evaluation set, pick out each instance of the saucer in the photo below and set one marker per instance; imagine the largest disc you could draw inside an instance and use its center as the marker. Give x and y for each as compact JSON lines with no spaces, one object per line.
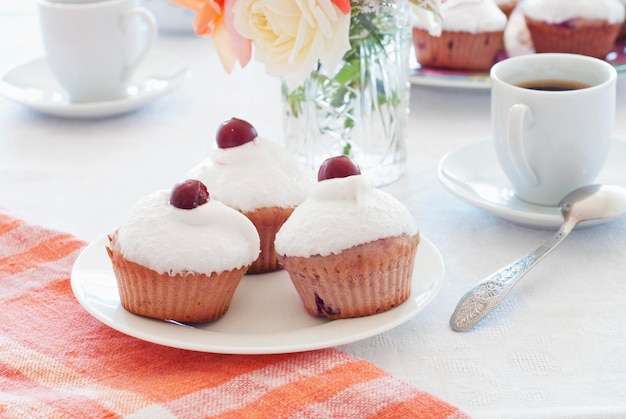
{"x":473,"y":174}
{"x":33,"y":85}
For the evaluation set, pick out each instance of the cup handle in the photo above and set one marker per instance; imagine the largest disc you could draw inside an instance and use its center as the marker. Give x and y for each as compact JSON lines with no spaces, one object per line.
{"x":519,"y":116}
{"x":150,"y":37}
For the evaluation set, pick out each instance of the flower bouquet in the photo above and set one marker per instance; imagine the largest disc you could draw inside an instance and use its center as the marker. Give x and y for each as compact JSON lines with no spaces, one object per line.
{"x":344,"y":66}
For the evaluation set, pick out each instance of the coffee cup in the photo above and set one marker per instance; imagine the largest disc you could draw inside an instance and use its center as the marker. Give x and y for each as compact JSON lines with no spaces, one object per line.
{"x":93,"y":47}
{"x":552,"y":118}
{"x":172,"y":18}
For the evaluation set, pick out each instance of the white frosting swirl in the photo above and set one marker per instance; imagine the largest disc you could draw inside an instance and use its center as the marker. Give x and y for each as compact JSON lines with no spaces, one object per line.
{"x":342,"y":213}
{"x":472,"y":16}
{"x":255,"y":175}
{"x":209,"y":238}
{"x":558,"y":11}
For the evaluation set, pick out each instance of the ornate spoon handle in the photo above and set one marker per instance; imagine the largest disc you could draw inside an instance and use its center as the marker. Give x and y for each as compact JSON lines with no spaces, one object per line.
{"x":489,"y":293}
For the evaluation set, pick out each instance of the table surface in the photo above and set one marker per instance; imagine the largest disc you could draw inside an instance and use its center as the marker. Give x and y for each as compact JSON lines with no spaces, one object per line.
{"x":553,"y":349}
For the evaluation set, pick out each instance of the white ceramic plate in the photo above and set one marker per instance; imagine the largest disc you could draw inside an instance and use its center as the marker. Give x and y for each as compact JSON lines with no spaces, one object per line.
{"x":517,"y":42}
{"x":473,"y":174}
{"x":33,"y":85}
{"x":265,"y":316}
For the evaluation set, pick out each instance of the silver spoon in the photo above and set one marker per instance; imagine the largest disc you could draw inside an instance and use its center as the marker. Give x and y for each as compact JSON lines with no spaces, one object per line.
{"x":594,"y":202}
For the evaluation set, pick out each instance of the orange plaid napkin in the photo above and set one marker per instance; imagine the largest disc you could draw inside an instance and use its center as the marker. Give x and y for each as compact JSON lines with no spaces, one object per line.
{"x":57,"y":361}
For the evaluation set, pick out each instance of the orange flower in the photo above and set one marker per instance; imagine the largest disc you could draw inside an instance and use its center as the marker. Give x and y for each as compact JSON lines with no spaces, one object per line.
{"x":215,"y":18}
{"x":343,"y":5}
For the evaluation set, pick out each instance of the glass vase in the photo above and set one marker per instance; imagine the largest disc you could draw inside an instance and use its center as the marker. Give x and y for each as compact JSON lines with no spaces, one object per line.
{"x":360,"y":109}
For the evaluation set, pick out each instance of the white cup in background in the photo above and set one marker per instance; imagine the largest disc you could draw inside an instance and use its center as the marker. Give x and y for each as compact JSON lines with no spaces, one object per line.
{"x":550,"y":142}
{"x":93,"y":47}
{"x":172,"y":18}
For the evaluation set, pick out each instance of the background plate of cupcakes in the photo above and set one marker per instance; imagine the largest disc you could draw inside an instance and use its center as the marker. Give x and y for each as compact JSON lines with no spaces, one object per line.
{"x":463,"y":55}
{"x":265,"y":316}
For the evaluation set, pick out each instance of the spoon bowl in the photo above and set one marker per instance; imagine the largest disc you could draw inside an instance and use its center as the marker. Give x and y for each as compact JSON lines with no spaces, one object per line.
{"x":592,"y":202}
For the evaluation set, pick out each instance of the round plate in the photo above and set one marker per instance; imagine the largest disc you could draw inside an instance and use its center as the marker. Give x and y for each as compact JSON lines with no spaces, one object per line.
{"x":33,"y":85}
{"x":517,"y":41}
{"x":266,"y":315}
{"x":439,"y":77}
{"x":473,"y":174}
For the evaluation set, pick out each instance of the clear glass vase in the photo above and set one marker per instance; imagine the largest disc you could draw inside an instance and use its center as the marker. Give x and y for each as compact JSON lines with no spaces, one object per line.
{"x":361,"y":109}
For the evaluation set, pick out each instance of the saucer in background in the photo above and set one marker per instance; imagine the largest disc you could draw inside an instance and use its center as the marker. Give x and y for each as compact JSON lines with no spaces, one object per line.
{"x":33,"y":85}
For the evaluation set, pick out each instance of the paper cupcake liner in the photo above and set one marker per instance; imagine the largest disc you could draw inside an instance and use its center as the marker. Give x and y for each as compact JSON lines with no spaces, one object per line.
{"x":190,"y":297}
{"x":458,"y":50}
{"x":592,"y":40}
{"x":267,"y":222}
{"x":367,"y":279}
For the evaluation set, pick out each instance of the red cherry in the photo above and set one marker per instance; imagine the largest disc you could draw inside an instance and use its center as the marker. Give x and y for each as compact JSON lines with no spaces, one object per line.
{"x":340,"y":166}
{"x":189,"y":194}
{"x":234,"y":132}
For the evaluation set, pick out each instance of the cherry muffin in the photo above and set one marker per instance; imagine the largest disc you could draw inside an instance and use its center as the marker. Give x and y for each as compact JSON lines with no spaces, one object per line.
{"x":349,"y":248}
{"x":257,"y":177}
{"x":180,"y":255}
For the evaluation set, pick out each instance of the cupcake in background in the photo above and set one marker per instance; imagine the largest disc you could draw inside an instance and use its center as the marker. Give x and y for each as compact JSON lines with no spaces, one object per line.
{"x":507,"y":6}
{"x":472,"y":33}
{"x":180,"y":255}
{"x":349,"y":248}
{"x":257,"y":177}
{"x":622,"y":32}
{"x":574,"y":26}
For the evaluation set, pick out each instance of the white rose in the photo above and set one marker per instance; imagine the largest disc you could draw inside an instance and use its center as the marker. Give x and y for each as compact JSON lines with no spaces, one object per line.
{"x":290,"y":37}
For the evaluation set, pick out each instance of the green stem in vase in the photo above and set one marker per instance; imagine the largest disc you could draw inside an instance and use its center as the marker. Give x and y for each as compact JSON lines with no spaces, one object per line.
{"x":372,"y":34}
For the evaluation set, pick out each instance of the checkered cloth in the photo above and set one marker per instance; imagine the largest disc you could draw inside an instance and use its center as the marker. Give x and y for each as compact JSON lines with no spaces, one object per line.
{"x":57,"y":361}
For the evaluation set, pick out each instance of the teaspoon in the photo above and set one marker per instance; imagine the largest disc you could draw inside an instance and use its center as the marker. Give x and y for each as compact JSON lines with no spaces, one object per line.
{"x":593,"y":202}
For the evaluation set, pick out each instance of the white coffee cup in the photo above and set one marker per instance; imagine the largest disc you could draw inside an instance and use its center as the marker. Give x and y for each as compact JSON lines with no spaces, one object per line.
{"x":93,"y":47}
{"x":551,"y":142}
{"x":172,"y":18}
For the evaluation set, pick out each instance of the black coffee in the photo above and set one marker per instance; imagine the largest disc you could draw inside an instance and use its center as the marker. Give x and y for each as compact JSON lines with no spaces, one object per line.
{"x":553,"y":85}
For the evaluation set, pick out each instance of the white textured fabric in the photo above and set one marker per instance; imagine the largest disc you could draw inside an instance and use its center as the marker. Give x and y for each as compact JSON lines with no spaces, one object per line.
{"x":555,"y":348}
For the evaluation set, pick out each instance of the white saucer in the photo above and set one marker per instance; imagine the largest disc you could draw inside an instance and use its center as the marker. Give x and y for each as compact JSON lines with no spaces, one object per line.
{"x":33,"y":85}
{"x":472,"y":173}
{"x":265,"y":316}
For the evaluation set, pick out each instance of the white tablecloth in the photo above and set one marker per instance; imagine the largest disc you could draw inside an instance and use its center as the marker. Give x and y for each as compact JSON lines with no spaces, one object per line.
{"x":555,"y":348}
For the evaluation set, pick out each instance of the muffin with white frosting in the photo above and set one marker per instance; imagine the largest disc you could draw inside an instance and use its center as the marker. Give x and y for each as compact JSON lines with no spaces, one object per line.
{"x":257,"y":177}
{"x":470,"y":38}
{"x":349,"y":248}
{"x":180,"y":255}
{"x":574,"y":26}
